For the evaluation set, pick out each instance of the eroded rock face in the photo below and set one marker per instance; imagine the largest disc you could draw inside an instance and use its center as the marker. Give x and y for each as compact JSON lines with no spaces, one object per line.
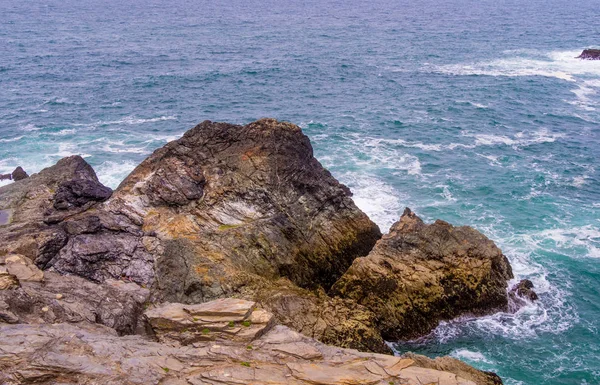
{"x":420,"y":274}
{"x":47,"y":297}
{"x":590,"y":54}
{"x":243,"y":198}
{"x":25,"y":203}
{"x":69,"y":354}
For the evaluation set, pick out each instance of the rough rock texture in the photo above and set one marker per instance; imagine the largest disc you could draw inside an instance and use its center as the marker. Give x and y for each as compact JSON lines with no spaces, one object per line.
{"x":47,"y":297}
{"x":334,"y":321}
{"x":24,"y":205}
{"x":88,"y":354}
{"x":76,"y":193}
{"x":590,"y":54}
{"x":420,"y":274}
{"x":222,"y":319}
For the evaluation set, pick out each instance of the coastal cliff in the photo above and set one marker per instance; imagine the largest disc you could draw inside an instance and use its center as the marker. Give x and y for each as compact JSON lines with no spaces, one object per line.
{"x":228,"y":213}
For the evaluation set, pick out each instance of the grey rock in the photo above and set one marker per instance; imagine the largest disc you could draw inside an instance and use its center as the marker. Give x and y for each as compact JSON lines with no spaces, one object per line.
{"x":19,"y":174}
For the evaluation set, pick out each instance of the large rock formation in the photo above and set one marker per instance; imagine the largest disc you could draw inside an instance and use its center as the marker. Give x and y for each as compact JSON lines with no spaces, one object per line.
{"x":236,"y":213}
{"x":590,"y":54}
{"x":225,"y":210}
{"x":419,"y":274}
{"x":87,"y":354}
{"x":205,"y":214}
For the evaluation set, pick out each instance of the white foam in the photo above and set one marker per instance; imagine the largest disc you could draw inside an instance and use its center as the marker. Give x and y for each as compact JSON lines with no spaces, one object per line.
{"x":31,"y":127}
{"x":557,"y":64}
{"x":11,"y":139}
{"x":469,"y":355}
{"x":573,"y":242}
{"x":380,"y":201}
{"x":112,"y":173}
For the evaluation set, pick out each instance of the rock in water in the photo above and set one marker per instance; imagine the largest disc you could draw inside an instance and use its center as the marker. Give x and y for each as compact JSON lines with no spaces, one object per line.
{"x":420,"y":274}
{"x":590,"y":54}
{"x":19,"y":174}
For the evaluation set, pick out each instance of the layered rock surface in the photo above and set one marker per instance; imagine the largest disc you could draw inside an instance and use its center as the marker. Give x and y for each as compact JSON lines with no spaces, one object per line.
{"x":420,"y":274}
{"x":88,"y":354}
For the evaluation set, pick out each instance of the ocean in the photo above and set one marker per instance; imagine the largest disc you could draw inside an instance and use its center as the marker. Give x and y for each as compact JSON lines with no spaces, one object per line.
{"x":474,"y":112}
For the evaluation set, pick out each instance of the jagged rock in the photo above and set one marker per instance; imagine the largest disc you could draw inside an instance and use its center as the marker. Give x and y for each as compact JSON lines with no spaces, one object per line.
{"x":206,"y":214}
{"x":520,"y":293}
{"x":5,"y":177}
{"x":76,"y":193}
{"x":116,"y":304}
{"x":25,"y":204}
{"x":19,"y":174}
{"x":222,"y":319}
{"x":69,"y":354}
{"x":420,"y":274}
{"x":590,"y":54}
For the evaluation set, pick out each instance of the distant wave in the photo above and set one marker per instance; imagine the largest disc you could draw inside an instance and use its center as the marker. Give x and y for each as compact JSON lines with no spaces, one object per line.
{"x":557,"y":64}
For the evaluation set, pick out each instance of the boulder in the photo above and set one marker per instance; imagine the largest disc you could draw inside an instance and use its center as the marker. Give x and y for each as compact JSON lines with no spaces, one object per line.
{"x":19,"y":174}
{"x":520,"y":294}
{"x":420,"y":274}
{"x":590,"y":54}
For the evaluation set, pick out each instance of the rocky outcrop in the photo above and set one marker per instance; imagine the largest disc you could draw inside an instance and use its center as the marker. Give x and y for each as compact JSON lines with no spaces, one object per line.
{"x":420,"y":274}
{"x":19,"y":174}
{"x":24,"y":206}
{"x":47,"y":297}
{"x":590,"y":54}
{"x":68,"y":354}
{"x":246,"y":216}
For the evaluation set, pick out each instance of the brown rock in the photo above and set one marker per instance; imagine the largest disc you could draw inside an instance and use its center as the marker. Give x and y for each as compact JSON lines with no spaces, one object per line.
{"x":222,"y":319}
{"x":420,"y":274}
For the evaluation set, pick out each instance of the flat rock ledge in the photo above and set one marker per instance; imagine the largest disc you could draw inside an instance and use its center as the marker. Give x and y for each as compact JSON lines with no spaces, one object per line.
{"x":94,"y":354}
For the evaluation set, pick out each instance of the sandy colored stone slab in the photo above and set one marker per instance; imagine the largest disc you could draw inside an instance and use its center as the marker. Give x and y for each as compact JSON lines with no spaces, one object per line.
{"x":22,"y":267}
{"x":332,"y":375}
{"x":231,"y":308}
{"x":423,"y":376}
{"x":299,"y":350}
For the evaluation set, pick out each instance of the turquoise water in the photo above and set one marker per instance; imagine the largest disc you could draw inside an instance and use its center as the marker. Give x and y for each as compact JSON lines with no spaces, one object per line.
{"x":475,"y":112}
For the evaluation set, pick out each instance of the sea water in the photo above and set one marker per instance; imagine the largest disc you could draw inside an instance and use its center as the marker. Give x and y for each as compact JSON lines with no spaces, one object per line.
{"x":475,"y":112}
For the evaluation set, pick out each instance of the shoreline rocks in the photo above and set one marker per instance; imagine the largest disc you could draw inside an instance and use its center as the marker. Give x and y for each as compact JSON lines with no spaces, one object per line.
{"x":590,"y":54}
{"x":247,"y":217}
{"x":420,"y":274}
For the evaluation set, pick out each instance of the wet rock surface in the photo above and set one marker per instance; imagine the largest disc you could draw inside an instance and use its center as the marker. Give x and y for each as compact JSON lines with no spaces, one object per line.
{"x":590,"y":54}
{"x":420,"y":274}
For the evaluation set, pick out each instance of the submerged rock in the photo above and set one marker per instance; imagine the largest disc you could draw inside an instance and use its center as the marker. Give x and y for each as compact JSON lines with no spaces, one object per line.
{"x":420,"y":274}
{"x":590,"y":54}
{"x":520,"y":294}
